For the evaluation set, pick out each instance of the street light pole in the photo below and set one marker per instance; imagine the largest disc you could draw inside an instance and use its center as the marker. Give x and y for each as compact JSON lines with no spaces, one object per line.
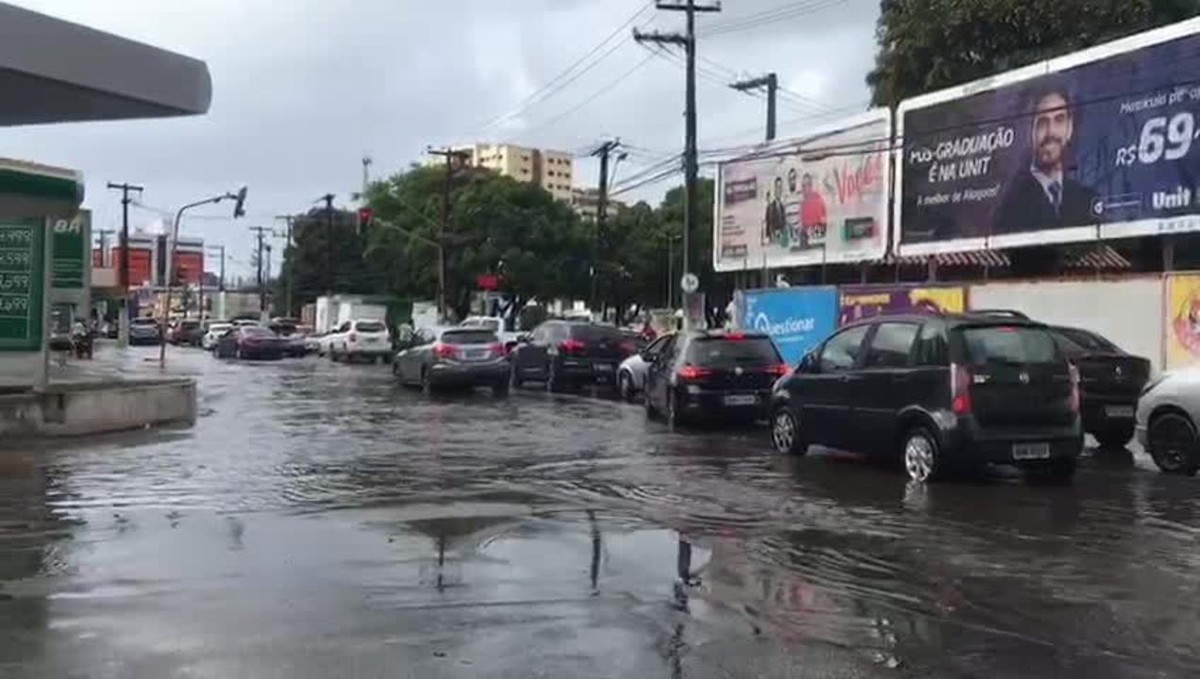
{"x":240,"y":197}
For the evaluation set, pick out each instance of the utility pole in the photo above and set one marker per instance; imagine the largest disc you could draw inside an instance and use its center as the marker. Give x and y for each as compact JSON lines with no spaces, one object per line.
{"x":258,"y":266}
{"x":451,"y":155}
{"x":771,"y":82}
{"x":691,"y":210}
{"x":102,"y":235}
{"x":366,"y":163}
{"x":291,"y":274}
{"x":123,"y":322}
{"x":328,"y":198}
{"x":221,"y":275}
{"x":600,"y":244}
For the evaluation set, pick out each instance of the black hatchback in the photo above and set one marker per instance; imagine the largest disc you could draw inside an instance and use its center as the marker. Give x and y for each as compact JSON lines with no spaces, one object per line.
{"x":940,"y":393}
{"x":565,"y":353}
{"x":713,"y":375}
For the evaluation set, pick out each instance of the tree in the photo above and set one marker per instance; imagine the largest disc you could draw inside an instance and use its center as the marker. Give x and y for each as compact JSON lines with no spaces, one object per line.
{"x":927,"y":45}
{"x":313,"y":248}
{"x":517,"y":231}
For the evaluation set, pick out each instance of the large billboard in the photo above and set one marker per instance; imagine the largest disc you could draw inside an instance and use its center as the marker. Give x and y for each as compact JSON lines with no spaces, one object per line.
{"x":820,"y":199}
{"x":856,"y":302}
{"x":1093,"y":145}
{"x":1182,"y":321}
{"x":795,"y":318}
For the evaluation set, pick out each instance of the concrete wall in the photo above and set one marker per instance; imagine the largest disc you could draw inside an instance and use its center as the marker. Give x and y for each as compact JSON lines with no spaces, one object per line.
{"x":73,"y":410}
{"x":1128,"y":312}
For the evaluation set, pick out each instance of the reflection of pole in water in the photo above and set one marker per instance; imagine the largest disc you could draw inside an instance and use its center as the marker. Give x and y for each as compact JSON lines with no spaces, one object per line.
{"x":441,"y":543}
{"x":595,"y":569}
{"x":683,"y":562}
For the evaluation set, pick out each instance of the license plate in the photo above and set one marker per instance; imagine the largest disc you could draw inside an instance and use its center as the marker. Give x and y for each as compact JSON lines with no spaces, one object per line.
{"x":602,"y":367}
{"x":1118,"y":411}
{"x":741,"y":400}
{"x":478,"y":355}
{"x":1031,"y":451}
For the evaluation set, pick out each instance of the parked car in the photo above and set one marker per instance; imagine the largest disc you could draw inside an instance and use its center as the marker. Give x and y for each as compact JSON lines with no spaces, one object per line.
{"x":296,"y":341}
{"x":1110,"y":380}
{"x":364,"y":339}
{"x":184,"y":332}
{"x":215,"y":330}
{"x":942,"y":393}
{"x":317,"y":343}
{"x":249,"y":342}
{"x":631,"y":374}
{"x":144,"y":331}
{"x":561,"y":353}
{"x":496,"y":325}
{"x":1166,"y":419}
{"x":712,"y":374}
{"x":454,"y":357}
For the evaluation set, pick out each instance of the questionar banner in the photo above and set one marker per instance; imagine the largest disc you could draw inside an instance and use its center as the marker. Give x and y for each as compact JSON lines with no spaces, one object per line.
{"x":1097,"y":144}
{"x":795,"y":318}
{"x":820,"y":199}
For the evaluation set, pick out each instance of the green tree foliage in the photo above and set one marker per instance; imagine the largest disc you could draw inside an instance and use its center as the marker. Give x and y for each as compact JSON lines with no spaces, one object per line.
{"x":927,"y":45}
{"x":307,"y":257}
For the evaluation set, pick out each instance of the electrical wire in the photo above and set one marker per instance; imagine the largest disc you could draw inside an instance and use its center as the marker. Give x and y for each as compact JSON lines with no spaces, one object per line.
{"x":789,"y":11}
{"x":590,"y":98}
{"x":570,"y":74}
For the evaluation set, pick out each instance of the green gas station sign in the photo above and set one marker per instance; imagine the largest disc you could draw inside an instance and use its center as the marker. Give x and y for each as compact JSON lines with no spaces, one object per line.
{"x":22,"y":242}
{"x":71,"y":251}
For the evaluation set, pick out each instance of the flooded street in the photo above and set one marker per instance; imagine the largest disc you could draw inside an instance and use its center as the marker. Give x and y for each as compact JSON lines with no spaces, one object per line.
{"x":320,"y":521}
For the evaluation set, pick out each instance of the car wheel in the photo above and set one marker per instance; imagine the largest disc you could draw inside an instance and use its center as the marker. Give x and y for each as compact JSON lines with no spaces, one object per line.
{"x":1115,"y":437}
{"x":1173,"y":445}
{"x":625,"y":387}
{"x":922,"y":457}
{"x":785,"y":432}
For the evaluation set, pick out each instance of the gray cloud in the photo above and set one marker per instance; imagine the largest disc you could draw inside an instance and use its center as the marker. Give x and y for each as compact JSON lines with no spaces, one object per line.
{"x":303,"y":89}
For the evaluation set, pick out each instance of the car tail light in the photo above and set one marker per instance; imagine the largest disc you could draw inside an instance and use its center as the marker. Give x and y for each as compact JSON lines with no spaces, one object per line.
{"x":691,"y":372}
{"x":444,"y":350}
{"x":960,"y":389}
{"x":780,"y":369}
{"x":498,"y":349}
{"x":735,"y":335}
{"x":353,"y":337}
{"x":1073,"y":400}
{"x":570,"y":346}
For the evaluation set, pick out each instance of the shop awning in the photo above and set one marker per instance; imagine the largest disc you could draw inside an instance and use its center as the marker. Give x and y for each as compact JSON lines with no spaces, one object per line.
{"x":56,"y":71}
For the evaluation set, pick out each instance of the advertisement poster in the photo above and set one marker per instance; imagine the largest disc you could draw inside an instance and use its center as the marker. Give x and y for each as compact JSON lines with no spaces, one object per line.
{"x":1183,"y":321}
{"x":824,"y":199}
{"x":1096,"y":144}
{"x":795,"y":318}
{"x":858,"y":302}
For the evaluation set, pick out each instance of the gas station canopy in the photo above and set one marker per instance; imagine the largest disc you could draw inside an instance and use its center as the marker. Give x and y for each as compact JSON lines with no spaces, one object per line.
{"x":55,"y":71}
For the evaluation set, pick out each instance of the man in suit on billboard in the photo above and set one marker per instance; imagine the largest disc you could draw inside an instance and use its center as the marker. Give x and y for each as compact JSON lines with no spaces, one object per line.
{"x":1042,"y":196}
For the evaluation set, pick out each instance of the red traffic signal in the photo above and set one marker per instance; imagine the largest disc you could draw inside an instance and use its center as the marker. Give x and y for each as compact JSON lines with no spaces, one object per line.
{"x":364,"y":218}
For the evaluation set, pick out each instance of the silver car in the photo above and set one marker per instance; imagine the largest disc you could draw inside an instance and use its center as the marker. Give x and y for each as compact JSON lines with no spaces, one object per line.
{"x":1167,"y":413}
{"x":631,"y":374}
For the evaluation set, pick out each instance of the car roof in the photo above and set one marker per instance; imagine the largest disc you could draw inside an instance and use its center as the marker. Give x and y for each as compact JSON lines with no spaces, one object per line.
{"x":954,"y":319}
{"x":720,"y":333}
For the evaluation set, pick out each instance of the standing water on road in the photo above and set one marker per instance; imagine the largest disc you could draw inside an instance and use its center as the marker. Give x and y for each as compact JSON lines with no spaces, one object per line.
{"x":321,"y":521}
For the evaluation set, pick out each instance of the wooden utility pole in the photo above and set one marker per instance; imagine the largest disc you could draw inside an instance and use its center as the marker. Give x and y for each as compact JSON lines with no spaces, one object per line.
{"x":451,"y":155}
{"x":691,"y":210}
{"x":291,"y":274}
{"x":771,"y":82}
{"x":123,"y":322}
{"x":328,"y":198}
{"x":600,"y":244}
{"x":258,"y":266}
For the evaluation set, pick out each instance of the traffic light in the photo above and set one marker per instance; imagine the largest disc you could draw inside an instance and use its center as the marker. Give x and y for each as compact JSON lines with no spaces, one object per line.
{"x":239,"y":208}
{"x":364,"y":218}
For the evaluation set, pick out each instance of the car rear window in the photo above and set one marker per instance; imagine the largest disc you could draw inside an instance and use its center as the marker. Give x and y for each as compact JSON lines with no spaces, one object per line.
{"x":256,"y":331}
{"x":470,"y":337}
{"x":1084,"y":341}
{"x":595,"y":333}
{"x":718,"y":352}
{"x":1009,"y":344}
{"x":370,"y":326}
{"x":144,"y":321}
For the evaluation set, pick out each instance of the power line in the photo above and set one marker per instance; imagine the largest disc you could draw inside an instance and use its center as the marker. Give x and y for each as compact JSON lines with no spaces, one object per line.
{"x":789,"y":11}
{"x":569,"y":75}
{"x":595,"y":95}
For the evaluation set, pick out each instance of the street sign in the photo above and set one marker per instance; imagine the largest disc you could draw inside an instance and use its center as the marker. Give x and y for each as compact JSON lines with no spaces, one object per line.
{"x":690,"y":282}
{"x":70,"y":253}
{"x":22,"y":243}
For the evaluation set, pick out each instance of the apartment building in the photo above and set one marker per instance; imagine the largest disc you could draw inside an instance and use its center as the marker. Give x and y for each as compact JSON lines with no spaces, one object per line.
{"x":586,"y":203}
{"x":552,"y":170}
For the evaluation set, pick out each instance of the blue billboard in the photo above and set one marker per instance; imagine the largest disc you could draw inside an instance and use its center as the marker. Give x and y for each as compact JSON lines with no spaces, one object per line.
{"x":1096,"y":144}
{"x":795,"y":318}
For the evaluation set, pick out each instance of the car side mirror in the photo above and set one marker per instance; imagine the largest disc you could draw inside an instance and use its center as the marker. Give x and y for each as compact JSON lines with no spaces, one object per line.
{"x":808,"y":364}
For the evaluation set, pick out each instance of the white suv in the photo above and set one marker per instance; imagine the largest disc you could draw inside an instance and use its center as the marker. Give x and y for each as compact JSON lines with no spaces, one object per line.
{"x":360,"y":339}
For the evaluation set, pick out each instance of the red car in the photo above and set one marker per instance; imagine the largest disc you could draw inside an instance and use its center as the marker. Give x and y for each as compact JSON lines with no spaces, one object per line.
{"x":250,"y":342}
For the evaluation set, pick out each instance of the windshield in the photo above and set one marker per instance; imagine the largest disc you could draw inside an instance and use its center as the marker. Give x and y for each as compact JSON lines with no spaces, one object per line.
{"x":1008,"y":344}
{"x":1082,"y":341}
{"x":721,"y":352}
{"x":220,"y":327}
{"x":469,"y":337}
{"x":370,"y":326}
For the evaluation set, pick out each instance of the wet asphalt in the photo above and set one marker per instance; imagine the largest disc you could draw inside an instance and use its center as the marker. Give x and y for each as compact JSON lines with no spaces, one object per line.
{"x":320,"y":521}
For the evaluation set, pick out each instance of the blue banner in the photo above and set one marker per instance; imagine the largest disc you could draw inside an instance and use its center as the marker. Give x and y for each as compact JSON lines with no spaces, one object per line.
{"x":1097,"y":144}
{"x":795,"y":318}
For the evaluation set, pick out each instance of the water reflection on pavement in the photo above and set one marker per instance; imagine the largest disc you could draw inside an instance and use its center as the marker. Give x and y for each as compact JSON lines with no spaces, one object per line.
{"x":320,"y":521}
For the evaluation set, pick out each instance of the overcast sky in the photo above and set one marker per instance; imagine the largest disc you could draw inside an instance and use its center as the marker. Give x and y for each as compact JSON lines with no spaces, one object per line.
{"x":303,"y":89}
